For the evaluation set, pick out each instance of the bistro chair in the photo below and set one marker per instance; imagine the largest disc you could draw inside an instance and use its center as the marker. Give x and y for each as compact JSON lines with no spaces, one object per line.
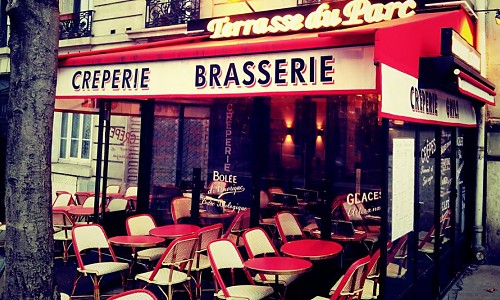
{"x":173,"y":267}
{"x":141,"y":225}
{"x":93,"y":237}
{"x":258,"y":244}
{"x":65,"y":296}
{"x":397,"y":258}
{"x":226,"y":261}
{"x":201,"y":262}
{"x":113,"y":189}
{"x":181,"y":209}
{"x":64,"y":199}
{"x":131,"y":196}
{"x":371,"y":287}
{"x":351,"y":284}
{"x":137,"y":294}
{"x":89,"y":202}
{"x":117,"y":204}
{"x":289,"y":227}
{"x":63,"y":224}
{"x":428,"y":239}
{"x":240,"y":223}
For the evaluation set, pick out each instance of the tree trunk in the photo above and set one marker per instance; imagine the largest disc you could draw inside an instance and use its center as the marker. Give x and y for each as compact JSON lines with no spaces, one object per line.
{"x":34,"y":37}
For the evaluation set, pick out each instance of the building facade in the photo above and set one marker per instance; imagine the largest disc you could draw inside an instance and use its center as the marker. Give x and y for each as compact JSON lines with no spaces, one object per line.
{"x":369,"y":116}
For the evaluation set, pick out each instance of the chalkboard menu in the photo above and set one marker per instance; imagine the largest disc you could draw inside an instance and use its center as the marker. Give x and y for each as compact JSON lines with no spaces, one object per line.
{"x":446,"y":176}
{"x":428,"y":149}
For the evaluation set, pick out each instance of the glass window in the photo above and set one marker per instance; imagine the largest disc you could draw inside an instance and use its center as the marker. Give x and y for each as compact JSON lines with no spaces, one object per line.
{"x":76,"y":131}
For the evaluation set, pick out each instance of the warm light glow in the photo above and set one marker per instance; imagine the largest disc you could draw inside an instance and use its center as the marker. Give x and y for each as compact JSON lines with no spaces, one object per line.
{"x":288,"y":139}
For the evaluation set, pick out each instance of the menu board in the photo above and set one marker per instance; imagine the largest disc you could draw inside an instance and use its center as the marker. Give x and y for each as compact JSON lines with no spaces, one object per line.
{"x":403,"y":166}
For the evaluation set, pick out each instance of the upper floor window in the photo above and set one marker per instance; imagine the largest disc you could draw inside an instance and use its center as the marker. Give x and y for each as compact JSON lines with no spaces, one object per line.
{"x":75,"y":19}
{"x":76,"y":135}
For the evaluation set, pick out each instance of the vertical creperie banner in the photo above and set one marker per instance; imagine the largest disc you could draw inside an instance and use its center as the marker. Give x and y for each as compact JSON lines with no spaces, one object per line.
{"x":312,"y":71}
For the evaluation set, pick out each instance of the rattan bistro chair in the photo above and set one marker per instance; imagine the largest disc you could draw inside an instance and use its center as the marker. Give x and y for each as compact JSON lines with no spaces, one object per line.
{"x":258,"y":244}
{"x":93,"y":237}
{"x":137,"y":294}
{"x":350,"y":285}
{"x":141,"y":225}
{"x":225,"y":257}
{"x":289,"y":227}
{"x":62,"y":224}
{"x":201,"y":262}
{"x":173,"y":267}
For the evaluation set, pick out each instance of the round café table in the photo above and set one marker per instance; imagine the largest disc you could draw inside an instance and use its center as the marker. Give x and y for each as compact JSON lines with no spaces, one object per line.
{"x":278,"y":265}
{"x":82,"y":212}
{"x":135,"y":242}
{"x":312,"y":249}
{"x":173,"y":231}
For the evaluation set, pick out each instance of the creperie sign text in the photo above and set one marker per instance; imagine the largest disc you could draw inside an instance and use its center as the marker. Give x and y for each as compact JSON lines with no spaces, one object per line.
{"x":356,"y":12}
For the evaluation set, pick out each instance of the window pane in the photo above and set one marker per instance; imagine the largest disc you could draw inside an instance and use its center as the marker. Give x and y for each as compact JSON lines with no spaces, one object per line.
{"x":86,"y":127}
{"x":85,"y":149}
{"x":64,"y":125}
{"x":75,"y":126}
{"x":62,"y":148}
{"x":74,"y":148}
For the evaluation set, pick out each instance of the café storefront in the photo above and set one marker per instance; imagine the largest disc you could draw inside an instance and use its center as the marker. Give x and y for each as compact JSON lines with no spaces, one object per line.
{"x":379,"y":116}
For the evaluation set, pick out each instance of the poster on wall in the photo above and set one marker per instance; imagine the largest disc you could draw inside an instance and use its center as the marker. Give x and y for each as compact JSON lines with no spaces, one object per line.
{"x":403,"y":186}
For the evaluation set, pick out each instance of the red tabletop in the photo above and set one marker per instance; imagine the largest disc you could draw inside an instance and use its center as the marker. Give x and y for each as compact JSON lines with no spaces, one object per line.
{"x":277,"y":265}
{"x":174,"y":230}
{"x":64,"y":208}
{"x":228,"y":213}
{"x":82,"y":211}
{"x":312,"y":249}
{"x":141,"y":241}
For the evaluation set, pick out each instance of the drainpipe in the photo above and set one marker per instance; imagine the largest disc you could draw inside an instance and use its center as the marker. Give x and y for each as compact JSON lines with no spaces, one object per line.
{"x":477,"y":245}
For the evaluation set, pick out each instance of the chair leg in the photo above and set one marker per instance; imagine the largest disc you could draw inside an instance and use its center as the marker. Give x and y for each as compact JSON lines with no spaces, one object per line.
{"x":75,"y":283}
{"x":95,"y":280}
{"x":198,"y":284}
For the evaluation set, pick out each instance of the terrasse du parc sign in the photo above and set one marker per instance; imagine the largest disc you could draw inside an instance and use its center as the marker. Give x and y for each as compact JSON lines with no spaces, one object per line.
{"x":342,"y":69}
{"x":325,"y":16}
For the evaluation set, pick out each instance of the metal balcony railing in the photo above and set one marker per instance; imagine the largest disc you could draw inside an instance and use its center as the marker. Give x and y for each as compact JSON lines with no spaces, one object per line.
{"x":75,"y":25}
{"x":171,"y":12}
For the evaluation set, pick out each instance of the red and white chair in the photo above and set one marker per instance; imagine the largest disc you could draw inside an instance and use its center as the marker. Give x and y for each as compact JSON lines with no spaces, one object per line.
{"x":224,"y":255}
{"x":173,"y":267}
{"x":201,"y":262}
{"x":93,"y":237}
{"x":258,"y":244}
{"x":350,"y":285}
{"x":181,"y":209}
{"x":240,"y":223}
{"x":141,"y":225}
{"x":63,"y":224}
{"x":63,"y":199}
{"x":289,"y":227}
{"x":137,"y":294}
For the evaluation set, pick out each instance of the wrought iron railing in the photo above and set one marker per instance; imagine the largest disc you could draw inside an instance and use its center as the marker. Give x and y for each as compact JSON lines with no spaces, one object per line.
{"x":171,"y":12}
{"x":76,"y":25}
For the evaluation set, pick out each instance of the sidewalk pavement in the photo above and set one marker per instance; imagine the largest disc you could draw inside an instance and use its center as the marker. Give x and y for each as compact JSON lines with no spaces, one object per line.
{"x":476,"y":282}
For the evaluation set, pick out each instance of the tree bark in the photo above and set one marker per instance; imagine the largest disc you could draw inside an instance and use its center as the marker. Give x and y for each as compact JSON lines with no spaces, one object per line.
{"x":34,"y":37}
